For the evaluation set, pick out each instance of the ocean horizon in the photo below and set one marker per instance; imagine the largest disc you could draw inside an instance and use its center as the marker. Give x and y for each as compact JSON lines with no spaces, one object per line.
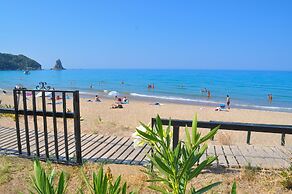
{"x":247,"y":88}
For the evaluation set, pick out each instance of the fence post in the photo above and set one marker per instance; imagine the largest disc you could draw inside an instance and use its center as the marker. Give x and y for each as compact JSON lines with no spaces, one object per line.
{"x":26,"y":122}
{"x":175,"y":136}
{"x":76,"y":106}
{"x":248,"y":137}
{"x":17,"y":120}
{"x":283,"y":139}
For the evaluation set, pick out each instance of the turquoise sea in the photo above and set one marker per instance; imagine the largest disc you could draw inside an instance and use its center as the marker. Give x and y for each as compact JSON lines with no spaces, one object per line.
{"x":247,"y":89}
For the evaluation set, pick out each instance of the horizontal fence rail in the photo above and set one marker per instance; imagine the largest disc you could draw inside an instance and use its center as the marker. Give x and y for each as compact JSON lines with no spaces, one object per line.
{"x":232,"y":126}
{"x":37,"y":113}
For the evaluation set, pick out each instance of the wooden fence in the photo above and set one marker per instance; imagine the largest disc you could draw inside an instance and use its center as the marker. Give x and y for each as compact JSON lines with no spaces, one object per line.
{"x":248,"y":127}
{"x":21,"y":94}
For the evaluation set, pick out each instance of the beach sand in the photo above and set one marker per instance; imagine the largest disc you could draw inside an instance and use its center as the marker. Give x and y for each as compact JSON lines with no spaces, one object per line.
{"x":99,"y":118}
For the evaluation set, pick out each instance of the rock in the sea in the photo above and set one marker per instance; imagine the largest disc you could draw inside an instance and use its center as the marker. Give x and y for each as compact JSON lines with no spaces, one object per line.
{"x":58,"y":65}
{"x":17,"y":62}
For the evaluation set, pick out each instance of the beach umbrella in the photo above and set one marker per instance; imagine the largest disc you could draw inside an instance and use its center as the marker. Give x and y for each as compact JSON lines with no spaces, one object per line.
{"x":47,"y":94}
{"x":113,"y":93}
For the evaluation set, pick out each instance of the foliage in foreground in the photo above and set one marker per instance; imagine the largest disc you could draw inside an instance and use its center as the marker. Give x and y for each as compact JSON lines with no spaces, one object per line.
{"x":175,"y":168}
{"x":102,"y":183}
{"x":287,"y":178}
{"x":44,"y":184}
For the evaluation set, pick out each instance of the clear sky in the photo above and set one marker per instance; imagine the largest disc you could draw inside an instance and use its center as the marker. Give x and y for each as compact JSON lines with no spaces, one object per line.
{"x":219,"y":34}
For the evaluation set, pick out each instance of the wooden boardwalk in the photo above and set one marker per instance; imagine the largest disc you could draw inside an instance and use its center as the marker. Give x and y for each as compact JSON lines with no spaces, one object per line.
{"x":120,"y":150}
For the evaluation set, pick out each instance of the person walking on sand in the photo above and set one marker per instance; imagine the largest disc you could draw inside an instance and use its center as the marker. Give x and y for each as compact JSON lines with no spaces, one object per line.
{"x":228,"y":101}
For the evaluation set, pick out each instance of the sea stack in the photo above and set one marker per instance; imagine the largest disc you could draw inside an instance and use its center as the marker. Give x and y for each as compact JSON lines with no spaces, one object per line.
{"x":58,"y":65}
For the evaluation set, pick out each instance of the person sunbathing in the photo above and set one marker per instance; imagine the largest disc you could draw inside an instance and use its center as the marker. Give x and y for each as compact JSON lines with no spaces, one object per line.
{"x":97,"y":99}
{"x":125,"y":100}
{"x":117,"y":105}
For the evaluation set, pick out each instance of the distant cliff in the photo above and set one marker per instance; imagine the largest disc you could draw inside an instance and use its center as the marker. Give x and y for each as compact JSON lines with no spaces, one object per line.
{"x":58,"y":65}
{"x":17,"y":62}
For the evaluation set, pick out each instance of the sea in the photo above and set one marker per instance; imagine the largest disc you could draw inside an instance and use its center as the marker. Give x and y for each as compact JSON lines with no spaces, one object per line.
{"x":247,"y":89}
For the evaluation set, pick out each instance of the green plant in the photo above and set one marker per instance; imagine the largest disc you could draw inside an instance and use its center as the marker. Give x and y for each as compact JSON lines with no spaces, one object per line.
{"x":102,"y":183}
{"x":233,"y":190}
{"x":44,"y":184}
{"x":175,"y":168}
{"x":287,"y":178}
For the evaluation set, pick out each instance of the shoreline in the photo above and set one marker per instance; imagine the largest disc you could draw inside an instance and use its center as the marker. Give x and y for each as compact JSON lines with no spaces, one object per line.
{"x":174,"y":100}
{"x":194,"y":102}
{"x":99,"y":118}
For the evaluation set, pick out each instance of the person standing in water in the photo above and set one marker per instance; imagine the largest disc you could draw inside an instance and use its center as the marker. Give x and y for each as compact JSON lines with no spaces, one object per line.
{"x":228,"y":101}
{"x":209,"y":94}
{"x":270,"y":97}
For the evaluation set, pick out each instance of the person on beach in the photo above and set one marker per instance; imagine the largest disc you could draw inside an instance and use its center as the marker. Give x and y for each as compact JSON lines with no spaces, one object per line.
{"x":228,"y":101}
{"x":125,"y":100}
{"x":97,"y":99}
{"x":58,"y":98}
{"x":270,"y":98}
{"x":209,"y":94}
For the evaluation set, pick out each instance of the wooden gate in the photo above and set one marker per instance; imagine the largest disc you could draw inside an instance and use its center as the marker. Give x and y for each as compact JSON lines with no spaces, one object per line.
{"x":39,"y":115}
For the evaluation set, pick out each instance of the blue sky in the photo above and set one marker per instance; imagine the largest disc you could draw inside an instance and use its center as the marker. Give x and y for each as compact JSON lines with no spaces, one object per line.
{"x":246,"y":34}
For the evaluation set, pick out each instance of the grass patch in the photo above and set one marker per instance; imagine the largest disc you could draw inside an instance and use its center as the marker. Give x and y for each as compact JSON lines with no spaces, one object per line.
{"x":250,"y":172}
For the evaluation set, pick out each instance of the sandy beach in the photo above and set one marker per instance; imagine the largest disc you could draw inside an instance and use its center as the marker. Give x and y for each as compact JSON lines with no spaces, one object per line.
{"x":99,"y":118}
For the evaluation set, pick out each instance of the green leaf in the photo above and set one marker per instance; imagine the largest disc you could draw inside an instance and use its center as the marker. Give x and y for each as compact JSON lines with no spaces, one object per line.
{"x":161,"y":166}
{"x":159,"y":189}
{"x":188,"y":140}
{"x":233,"y":190}
{"x":194,"y":129}
{"x":61,"y":184}
{"x":197,"y":171}
{"x":159,"y":126}
{"x":207,"y":188}
{"x":147,"y":136}
{"x":209,"y":135}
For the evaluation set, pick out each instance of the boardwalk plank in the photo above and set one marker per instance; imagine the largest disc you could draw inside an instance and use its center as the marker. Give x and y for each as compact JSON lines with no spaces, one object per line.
{"x":276,"y":157}
{"x":141,"y":156}
{"x":107,"y":149}
{"x":96,"y":144}
{"x":211,"y":152}
{"x":238,"y":156}
{"x":130,"y":158}
{"x":93,"y":155}
{"x":111,"y":149}
{"x":221,"y":157}
{"x":124,"y":145}
{"x":232,"y":162}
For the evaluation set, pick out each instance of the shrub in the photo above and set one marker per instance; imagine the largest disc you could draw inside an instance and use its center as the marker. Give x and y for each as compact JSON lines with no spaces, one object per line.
{"x":44,"y":184}
{"x":287,"y":178}
{"x":175,"y":168}
{"x":102,"y":183}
